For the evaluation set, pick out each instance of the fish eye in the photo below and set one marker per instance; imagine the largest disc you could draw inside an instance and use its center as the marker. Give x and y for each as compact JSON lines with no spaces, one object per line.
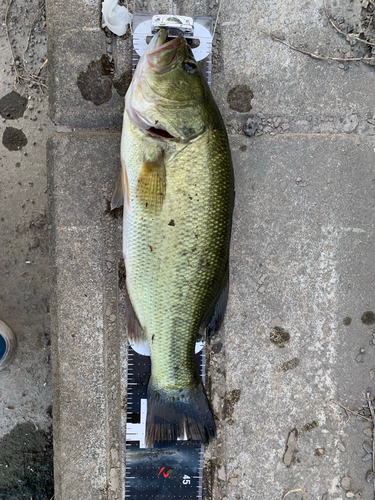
{"x":190,"y":67}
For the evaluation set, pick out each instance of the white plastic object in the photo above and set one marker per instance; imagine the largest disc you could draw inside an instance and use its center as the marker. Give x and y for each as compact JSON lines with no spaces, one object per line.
{"x":145,"y":350}
{"x":143,"y":30}
{"x":115,"y":17}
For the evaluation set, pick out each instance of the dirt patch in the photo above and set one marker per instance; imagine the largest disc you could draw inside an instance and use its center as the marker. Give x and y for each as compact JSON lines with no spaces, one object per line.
{"x":12,"y":105}
{"x":26,"y":460}
{"x":14,"y":139}
{"x":95,"y":84}
{"x":319,"y":452}
{"x":229,"y":402}
{"x":122,"y":84}
{"x":121,"y":275}
{"x":239,"y":98}
{"x":279,"y":336}
{"x":368,"y":318}
{"x":310,"y":426}
{"x":289,"y":365}
{"x":346,"y":321}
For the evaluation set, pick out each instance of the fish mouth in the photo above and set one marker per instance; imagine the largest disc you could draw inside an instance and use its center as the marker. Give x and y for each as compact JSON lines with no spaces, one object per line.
{"x":164,"y":54}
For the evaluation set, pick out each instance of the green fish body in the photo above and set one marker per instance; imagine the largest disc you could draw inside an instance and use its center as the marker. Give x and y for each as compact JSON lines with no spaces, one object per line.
{"x":178,"y":192}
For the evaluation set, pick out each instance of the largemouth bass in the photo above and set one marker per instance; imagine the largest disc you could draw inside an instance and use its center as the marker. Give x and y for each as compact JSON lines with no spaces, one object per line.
{"x":177,"y":188}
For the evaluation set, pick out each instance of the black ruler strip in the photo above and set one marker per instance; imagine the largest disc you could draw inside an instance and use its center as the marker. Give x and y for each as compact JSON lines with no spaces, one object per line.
{"x":173,"y":472}
{"x":167,"y":473}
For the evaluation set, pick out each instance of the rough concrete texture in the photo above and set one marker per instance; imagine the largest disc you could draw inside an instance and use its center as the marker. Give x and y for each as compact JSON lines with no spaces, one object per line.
{"x":85,"y":348}
{"x":285,"y":82}
{"x":26,"y":461}
{"x":301,"y":260}
{"x":76,"y":40}
{"x":295,"y":337}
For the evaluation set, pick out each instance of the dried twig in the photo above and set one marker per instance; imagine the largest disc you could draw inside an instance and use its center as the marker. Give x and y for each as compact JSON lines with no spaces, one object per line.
{"x":349,"y":35}
{"x":293,"y":491}
{"x":351,"y":411}
{"x":42,"y":66}
{"x":369,"y":402}
{"x":30,"y":32}
{"x":29,"y":76}
{"x":40,"y":7}
{"x":317,"y":56}
{"x":19,"y":77}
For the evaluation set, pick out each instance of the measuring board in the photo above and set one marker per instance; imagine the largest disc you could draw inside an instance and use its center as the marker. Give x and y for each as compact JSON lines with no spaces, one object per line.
{"x":176,"y":471}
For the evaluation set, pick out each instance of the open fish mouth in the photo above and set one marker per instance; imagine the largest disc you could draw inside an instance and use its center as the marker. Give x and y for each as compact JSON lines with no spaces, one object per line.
{"x":164,"y":54}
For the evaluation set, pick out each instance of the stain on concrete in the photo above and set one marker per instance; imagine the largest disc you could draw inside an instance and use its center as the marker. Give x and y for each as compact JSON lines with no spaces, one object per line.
{"x":279,"y":336}
{"x":216,"y":348}
{"x":12,"y":105}
{"x":107,"y":65}
{"x":122,"y":84}
{"x":239,"y":98}
{"x":121,"y":275}
{"x":95,"y":84}
{"x":229,"y":402}
{"x":26,"y":459}
{"x":368,"y":318}
{"x":289,"y":365}
{"x":319,"y":452}
{"x":347,"y":320}
{"x":243,"y":147}
{"x":290,"y":447}
{"x":14,"y":139}
{"x":310,"y":426}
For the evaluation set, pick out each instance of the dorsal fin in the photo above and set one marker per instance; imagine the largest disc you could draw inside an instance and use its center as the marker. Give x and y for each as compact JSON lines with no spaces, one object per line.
{"x":135,"y":332}
{"x":213,"y":319}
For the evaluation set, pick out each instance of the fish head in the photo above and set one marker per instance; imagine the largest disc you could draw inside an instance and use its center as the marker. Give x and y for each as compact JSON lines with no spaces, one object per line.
{"x":168,"y":94}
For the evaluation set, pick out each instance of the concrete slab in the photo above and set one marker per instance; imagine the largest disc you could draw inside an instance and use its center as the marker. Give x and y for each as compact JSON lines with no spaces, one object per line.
{"x":86,"y":350}
{"x":76,"y":44}
{"x":301,"y":260}
{"x":287,"y":83}
{"x":300,"y":264}
{"x":83,"y":93}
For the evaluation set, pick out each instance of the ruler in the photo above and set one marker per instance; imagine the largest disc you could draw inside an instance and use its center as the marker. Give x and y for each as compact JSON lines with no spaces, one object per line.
{"x":161,"y":472}
{"x":176,"y":471}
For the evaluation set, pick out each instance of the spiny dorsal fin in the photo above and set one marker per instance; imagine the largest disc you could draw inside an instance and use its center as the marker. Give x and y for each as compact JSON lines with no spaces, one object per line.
{"x":152,"y":183}
{"x":121,"y":194}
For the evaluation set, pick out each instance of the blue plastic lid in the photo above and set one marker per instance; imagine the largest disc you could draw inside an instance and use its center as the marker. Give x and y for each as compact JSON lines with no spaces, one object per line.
{"x":2,"y":347}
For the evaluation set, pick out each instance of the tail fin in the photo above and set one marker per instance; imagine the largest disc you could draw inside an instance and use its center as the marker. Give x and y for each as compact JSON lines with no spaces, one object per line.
{"x":178,"y":414}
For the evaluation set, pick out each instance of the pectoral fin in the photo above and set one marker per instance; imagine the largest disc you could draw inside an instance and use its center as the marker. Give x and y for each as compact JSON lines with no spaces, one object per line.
{"x":151,"y":187}
{"x":121,"y":194}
